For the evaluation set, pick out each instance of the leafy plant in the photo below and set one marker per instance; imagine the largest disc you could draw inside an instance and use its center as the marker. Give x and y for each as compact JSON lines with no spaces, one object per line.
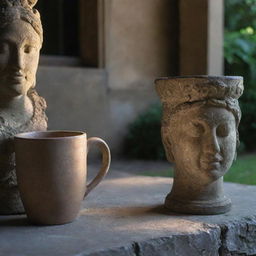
{"x":240,"y":59}
{"x":247,"y":127}
{"x":143,"y":140}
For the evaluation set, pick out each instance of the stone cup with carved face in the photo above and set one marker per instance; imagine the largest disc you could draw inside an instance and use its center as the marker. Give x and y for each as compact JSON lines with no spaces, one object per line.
{"x":200,"y":135}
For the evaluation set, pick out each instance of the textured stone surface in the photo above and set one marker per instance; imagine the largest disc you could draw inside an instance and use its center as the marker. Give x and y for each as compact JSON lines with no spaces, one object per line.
{"x":21,"y":108}
{"x":199,"y":131}
{"x":239,"y":237}
{"x":10,"y":202}
{"x":124,"y":216}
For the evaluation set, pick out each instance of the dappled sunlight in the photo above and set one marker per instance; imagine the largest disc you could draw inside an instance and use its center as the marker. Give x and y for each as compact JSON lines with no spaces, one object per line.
{"x":176,"y":225}
{"x":131,"y":181}
{"x":119,"y":212}
{"x":149,"y":218}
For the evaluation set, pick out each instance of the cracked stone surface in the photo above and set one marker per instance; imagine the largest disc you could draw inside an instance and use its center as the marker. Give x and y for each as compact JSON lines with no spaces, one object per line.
{"x":124,"y":216}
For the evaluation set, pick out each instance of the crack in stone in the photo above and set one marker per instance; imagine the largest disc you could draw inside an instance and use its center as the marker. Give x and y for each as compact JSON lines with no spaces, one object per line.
{"x":223,"y":233}
{"x":238,"y":238}
{"x":136,"y":249}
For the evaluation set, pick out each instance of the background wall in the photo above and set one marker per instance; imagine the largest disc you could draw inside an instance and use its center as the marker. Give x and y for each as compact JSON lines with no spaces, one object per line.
{"x":141,"y":41}
{"x":140,"y":44}
{"x":78,"y":99}
{"x":130,"y":43}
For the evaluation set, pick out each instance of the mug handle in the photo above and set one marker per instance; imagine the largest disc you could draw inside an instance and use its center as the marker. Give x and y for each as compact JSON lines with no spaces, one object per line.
{"x":106,"y":159}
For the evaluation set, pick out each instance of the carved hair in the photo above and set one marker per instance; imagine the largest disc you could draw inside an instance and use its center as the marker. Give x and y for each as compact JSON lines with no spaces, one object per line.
{"x":230,"y":104}
{"x":11,"y":10}
{"x":24,"y":3}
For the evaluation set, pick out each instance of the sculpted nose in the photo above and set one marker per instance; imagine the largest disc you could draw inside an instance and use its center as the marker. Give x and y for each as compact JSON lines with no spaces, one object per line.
{"x":212,"y":146}
{"x":16,"y":60}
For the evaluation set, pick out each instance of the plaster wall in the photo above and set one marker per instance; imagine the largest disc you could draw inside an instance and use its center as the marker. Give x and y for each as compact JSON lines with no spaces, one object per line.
{"x":78,"y":99}
{"x":201,"y":37}
{"x":215,"y":37}
{"x":140,"y":44}
{"x":141,"y":41}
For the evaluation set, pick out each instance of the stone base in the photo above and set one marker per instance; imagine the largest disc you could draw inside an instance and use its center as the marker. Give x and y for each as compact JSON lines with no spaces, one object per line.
{"x":125,"y":216}
{"x":220,"y":206}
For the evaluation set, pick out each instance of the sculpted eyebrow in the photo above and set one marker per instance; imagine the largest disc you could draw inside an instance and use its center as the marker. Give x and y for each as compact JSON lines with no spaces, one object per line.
{"x":26,"y":41}
{"x":8,"y":40}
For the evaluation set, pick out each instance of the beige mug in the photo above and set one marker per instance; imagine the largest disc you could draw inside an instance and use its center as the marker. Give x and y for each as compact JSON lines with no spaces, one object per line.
{"x":51,"y":171}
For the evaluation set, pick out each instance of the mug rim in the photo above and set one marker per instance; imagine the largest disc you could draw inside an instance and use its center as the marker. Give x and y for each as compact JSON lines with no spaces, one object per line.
{"x":42,"y":135}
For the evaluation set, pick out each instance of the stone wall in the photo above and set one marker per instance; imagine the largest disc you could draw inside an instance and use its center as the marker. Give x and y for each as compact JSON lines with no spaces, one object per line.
{"x":79,"y":99}
{"x":201,"y":37}
{"x":140,"y":44}
{"x":141,"y":41}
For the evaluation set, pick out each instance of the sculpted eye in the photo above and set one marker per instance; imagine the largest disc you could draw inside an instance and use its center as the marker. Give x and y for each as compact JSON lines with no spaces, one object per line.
{"x":28,"y":49}
{"x":196,"y":129}
{"x":222,"y":130}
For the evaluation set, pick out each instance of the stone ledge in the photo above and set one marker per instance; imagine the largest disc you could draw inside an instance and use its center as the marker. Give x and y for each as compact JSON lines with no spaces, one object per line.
{"x":124,"y":216}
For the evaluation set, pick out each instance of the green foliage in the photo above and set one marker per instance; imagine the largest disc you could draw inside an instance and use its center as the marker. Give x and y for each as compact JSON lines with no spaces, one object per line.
{"x":240,"y":14}
{"x":240,"y":59}
{"x":243,"y":170}
{"x":247,"y":127}
{"x":143,"y":140}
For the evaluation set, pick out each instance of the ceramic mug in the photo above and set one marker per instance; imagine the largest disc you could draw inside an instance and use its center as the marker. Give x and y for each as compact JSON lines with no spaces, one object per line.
{"x":51,"y":171}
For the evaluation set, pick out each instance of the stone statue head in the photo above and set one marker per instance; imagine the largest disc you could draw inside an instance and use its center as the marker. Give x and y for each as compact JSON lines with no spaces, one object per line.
{"x":200,"y":122}
{"x":21,"y":37}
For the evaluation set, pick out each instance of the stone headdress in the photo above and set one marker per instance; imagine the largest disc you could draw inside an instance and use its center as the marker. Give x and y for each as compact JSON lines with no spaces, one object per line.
{"x":11,"y":10}
{"x":180,"y":92}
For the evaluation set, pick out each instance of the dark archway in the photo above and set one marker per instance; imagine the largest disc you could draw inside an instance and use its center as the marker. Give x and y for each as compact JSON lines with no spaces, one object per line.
{"x":74,"y":28}
{"x":60,"y":20}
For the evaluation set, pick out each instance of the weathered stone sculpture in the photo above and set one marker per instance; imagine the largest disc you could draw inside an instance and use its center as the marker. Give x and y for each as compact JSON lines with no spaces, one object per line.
{"x":21,"y":109}
{"x":200,"y":122}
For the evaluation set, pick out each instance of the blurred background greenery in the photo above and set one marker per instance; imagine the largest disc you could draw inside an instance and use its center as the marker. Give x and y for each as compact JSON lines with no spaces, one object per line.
{"x":143,"y":140}
{"x":240,"y":59}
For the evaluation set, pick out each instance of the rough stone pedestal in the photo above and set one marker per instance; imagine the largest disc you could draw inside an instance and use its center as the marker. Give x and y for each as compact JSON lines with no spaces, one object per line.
{"x":124,"y":217}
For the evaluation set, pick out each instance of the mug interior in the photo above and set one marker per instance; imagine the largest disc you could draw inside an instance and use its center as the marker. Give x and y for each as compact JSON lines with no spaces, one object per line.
{"x":49,"y":134}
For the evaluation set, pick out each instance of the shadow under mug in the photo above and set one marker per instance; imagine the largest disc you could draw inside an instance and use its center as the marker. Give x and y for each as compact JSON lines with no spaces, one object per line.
{"x":51,"y":171}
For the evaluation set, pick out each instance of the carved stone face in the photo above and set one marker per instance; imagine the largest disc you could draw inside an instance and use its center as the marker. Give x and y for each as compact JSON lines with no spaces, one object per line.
{"x":203,"y":142}
{"x":19,"y":56}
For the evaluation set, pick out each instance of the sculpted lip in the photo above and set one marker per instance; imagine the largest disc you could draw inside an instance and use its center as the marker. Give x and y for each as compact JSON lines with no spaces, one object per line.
{"x":207,"y":162}
{"x":15,"y":77}
{"x":212,"y":162}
